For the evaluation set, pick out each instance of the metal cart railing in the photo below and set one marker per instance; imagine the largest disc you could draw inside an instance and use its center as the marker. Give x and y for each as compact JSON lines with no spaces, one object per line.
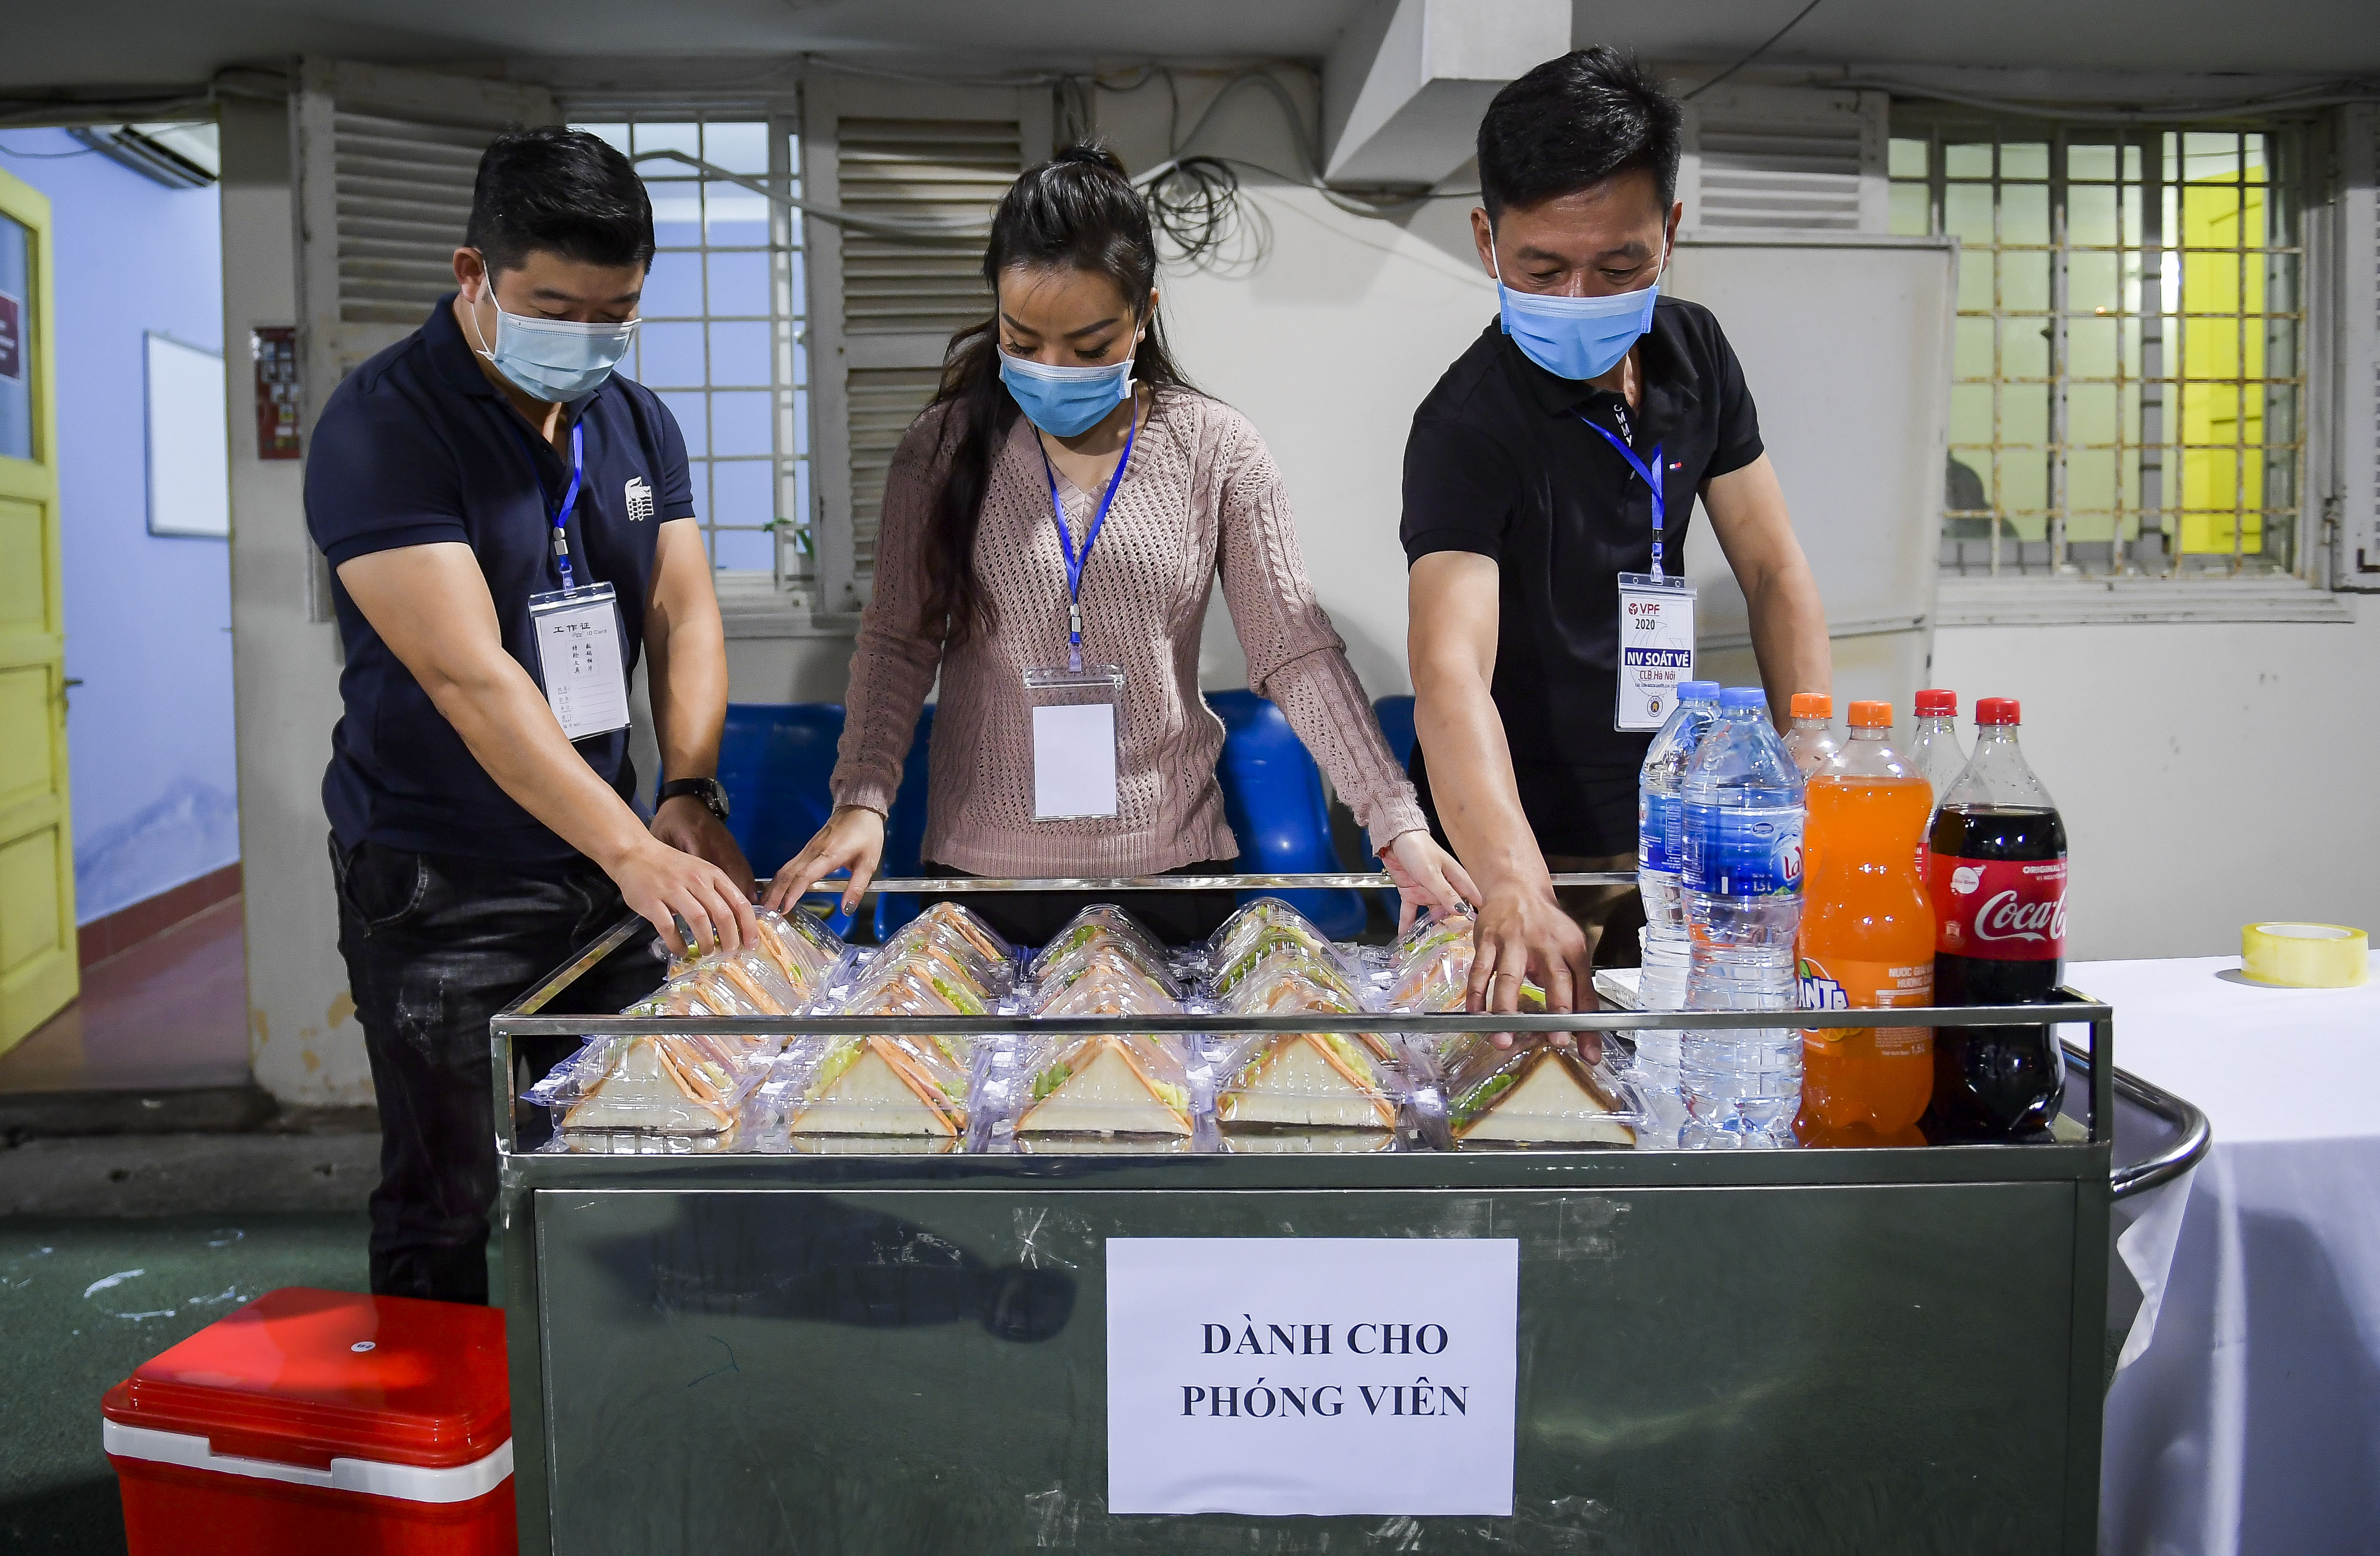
{"x":1891,"y":1350}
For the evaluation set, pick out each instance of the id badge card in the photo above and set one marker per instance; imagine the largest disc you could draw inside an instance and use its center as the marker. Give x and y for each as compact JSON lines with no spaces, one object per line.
{"x":1077,"y":715}
{"x":579,"y":649}
{"x":1656,"y":648}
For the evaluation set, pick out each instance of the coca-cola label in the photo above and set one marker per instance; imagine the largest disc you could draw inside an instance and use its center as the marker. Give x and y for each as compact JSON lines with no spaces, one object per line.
{"x":2000,"y":910}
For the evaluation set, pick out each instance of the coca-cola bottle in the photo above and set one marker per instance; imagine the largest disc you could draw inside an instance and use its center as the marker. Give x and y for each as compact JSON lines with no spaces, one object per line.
{"x":1997,"y":877}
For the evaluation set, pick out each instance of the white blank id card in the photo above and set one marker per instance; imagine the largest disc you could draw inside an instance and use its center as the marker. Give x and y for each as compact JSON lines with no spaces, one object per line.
{"x":579,"y":649}
{"x":1074,"y":760}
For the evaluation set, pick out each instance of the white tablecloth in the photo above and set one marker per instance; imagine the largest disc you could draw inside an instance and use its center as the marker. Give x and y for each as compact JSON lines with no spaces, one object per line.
{"x":2251,"y":1421}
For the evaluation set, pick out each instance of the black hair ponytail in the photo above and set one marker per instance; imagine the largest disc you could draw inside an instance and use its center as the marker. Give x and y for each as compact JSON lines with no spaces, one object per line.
{"x":1078,"y":211}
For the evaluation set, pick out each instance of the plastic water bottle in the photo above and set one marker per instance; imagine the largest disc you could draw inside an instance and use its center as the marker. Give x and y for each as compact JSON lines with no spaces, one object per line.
{"x":1663,"y":943}
{"x":1658,"y":821}
{"x":1743,"y":879}
{"x":1933,"y":750}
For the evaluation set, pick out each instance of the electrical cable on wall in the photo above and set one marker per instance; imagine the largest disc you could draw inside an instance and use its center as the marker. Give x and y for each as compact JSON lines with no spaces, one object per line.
{"x":1754,"y":55}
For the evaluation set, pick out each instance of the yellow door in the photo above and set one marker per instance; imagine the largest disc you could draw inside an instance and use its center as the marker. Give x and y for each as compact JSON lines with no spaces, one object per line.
{"x":37,"y":973}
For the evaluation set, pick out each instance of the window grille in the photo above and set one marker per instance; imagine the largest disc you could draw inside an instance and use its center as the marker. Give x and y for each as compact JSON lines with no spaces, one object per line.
{"x":2128,"y":379}
{"x":723,"y":343}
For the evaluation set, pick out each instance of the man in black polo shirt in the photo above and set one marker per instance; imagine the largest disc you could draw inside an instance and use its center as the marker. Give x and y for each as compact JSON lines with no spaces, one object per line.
{"x":510,"y":524}
{"x":1526,"y":497}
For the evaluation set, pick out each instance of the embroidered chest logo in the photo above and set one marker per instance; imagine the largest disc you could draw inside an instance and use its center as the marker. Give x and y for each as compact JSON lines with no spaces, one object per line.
{"x":640,"y":498}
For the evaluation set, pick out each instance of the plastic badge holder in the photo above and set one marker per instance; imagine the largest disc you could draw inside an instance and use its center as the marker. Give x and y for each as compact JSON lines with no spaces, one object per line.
{"x":1532,"y":1093}
{"x":1105,"y":922}
{"x":314,"y":1420}
{"x":1330,"y":1080}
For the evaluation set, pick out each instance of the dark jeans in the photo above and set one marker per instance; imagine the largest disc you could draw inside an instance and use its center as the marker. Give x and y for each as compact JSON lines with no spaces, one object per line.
{"x":1033,"y":917}
{"x":435,"y":946}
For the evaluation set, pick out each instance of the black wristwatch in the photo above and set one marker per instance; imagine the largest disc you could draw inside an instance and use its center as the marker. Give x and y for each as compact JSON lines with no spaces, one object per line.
{"x":713,"y":797}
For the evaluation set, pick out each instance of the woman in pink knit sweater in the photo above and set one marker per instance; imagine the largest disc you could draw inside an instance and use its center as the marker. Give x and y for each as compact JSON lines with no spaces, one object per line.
{"x":1065,"y":473}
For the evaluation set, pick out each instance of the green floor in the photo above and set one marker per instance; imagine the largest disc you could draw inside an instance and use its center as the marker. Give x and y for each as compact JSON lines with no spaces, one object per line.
{"x":70,"y":1334}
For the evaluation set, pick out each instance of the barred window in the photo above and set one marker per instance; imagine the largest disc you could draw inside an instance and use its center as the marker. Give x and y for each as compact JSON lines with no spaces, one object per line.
{"x":2128,"y":376}
{"x":721,"y":342}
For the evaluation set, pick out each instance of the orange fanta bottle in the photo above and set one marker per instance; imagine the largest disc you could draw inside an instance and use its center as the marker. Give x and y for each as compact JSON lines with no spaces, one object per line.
{"x":1866,"y":941}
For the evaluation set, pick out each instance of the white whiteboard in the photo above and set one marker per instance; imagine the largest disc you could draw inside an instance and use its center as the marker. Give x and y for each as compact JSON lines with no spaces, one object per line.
{"x":1845,"y":341}
{"x":189,"y":439}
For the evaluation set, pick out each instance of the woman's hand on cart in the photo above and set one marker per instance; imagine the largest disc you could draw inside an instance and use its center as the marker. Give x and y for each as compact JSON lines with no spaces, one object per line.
{"x":1524,"y":937}
{"x":851,"y":839}
{"x":1427,"y":876}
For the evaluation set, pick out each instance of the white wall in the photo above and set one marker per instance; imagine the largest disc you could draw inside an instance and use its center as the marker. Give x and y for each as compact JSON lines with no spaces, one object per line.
{"x":2209,"y":776}
{"x":304,"y":1042}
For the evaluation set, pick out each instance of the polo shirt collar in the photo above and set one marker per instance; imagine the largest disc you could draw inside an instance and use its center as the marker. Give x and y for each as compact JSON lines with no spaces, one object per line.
{"x":459,"y":364}
{"x":1668,"y":372}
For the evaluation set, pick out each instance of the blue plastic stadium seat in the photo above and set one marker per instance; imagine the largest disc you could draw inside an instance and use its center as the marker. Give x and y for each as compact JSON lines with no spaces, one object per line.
{"x":1396,"y":716}
{"x":774,"y":761}
{"x":1272,"y":797}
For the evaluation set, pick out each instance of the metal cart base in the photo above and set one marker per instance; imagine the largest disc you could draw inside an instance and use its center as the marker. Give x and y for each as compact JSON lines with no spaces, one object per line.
{"x":1891,"y":1351}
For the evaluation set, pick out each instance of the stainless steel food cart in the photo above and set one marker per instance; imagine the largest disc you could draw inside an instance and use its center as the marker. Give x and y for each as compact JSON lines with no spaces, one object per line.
{"x":1886,"y":1350}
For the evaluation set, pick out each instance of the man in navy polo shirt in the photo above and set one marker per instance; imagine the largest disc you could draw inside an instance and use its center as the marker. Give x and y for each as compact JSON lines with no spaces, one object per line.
{"x":510,"y":524}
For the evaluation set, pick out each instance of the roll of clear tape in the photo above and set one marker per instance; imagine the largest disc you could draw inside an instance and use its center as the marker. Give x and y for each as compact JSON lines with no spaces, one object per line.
{"x":2306,"y":955}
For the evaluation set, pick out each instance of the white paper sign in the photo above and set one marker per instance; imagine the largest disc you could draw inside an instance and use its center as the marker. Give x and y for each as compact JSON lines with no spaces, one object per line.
{"x":1656,"y":648}
{"x":1327,"y":1376}
{"x":1074,"y":760}
{"x":579,"y":649}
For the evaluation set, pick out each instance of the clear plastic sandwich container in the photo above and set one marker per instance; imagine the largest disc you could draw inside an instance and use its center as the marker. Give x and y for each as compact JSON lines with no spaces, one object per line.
{"x":1534,"y":1093}
{"x":674,"y":1095}
{"x":1264,"y":926}
{"x":1302,"y":1080}
{"x":1105,"y":927}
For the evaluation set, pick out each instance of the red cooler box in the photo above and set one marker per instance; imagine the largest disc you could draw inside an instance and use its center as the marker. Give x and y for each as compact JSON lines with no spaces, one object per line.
{"x":315,"y":1422}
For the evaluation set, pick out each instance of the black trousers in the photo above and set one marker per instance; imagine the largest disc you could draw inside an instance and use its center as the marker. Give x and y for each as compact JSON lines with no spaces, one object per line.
{"x":435,"y":944}
{"x":1032,"y":918}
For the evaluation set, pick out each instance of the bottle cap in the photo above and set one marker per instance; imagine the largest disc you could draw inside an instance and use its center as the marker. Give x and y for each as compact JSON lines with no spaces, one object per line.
{"x":1744,"y":697}
{"x":1698,"y":691}
{"x":1996,"y":710}
{"x":1813,"y":705}
{"x":1937,"y":704}
{"x":1871,"y":715}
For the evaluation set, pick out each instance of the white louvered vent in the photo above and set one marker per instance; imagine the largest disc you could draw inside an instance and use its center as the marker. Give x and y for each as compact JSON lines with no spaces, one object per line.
{"x":383,"y":162}
{"x":883,"y":402}
{"x":885,"y":300}
{"x":404,"y":199}
{"x":922,"y":174}
{"x":1774,"y":158}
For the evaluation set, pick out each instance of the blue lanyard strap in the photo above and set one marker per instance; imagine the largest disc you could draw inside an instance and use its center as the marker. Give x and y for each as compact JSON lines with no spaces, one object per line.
{"x":1652,"y":474}
{"x":1077,"y":560}
{"x":570,"y":495}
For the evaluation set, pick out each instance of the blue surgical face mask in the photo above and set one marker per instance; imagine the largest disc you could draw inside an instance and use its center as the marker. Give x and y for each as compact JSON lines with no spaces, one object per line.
{"x":1574,"y":337}
{"x":552,"y":359}
{"x":1063,"y":402}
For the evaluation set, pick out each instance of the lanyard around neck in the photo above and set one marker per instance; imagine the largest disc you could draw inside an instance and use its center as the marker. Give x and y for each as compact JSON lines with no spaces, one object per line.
{"x":569,"y":495}
{"x":1652,"y":474}
{"x":1077,"y":560}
